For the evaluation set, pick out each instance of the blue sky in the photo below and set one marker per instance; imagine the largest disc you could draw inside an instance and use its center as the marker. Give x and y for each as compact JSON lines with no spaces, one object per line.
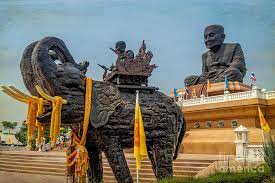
{"x":173,"y":30}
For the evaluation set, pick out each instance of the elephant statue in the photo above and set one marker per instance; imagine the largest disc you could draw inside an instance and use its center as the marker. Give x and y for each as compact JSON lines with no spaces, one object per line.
{"x":49,"y":64}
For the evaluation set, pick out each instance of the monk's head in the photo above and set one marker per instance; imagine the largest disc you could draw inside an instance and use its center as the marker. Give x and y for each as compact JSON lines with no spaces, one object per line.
{"x":213,"y":36}
{"x":120,"y":46}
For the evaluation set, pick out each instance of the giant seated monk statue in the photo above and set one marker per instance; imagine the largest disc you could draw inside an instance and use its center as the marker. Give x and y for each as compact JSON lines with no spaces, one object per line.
{"x":222,"y":59}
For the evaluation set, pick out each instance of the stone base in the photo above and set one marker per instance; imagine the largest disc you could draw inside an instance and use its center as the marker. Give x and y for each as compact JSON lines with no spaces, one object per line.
{"x":216,"y":89}
{"x":216,"y":141}
{"x":234,"y":87}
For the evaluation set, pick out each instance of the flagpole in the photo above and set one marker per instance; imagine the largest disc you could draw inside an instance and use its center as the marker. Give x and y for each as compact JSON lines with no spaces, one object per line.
{"x":137,"y":175}
{"x":263,"y":138}
{"x":262,"y":130}
{"x":140,"y":149}
{"x":263,"y":124}
{"x":137,"y":98}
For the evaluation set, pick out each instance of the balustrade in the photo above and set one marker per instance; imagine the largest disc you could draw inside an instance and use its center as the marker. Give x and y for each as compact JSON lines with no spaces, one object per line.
{"x":226,"y":97}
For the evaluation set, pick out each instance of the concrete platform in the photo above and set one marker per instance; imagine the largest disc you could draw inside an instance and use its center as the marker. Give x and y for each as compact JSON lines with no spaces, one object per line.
{"x":9,"y":177}
{"x":216,"y":141}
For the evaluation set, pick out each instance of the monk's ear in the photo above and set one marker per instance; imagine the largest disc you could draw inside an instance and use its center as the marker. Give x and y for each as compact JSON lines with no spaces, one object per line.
{"x":223,"y":36}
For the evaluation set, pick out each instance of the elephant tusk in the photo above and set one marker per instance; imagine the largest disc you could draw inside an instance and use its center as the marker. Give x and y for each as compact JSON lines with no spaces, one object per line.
{"x":18,"y":95}
{"x":25,"y":96}
{"x":12,"y":95}
{"x":19,"y":92}
{"x":46,"y":96}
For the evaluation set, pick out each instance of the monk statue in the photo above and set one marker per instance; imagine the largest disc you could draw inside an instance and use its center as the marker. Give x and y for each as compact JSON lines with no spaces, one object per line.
{"x":222,"y":59}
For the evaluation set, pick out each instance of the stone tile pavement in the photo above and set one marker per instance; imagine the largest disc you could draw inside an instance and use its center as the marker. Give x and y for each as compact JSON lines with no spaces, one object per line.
{"x":13,"y":177}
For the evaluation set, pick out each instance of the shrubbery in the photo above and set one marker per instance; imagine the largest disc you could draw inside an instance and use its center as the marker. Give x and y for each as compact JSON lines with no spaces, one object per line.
{"x":269,"y":154}
{"x":228,"y":177}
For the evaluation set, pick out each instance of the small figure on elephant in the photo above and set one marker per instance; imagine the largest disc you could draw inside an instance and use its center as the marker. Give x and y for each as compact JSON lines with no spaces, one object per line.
{"x":106,"y":69}
{"x":120,"y":48}
{"x":111,"y":124}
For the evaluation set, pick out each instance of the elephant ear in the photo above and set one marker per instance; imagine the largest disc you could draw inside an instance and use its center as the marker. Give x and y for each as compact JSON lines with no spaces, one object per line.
{"x":26,"y":69}
{"x":105,"y":100}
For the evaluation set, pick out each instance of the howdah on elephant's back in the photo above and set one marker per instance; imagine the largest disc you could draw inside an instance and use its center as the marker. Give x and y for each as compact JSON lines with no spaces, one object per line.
{"x":48,"y":64}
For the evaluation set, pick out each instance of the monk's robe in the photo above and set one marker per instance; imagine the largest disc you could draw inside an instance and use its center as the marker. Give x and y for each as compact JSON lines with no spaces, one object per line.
{"x":227,"y":61}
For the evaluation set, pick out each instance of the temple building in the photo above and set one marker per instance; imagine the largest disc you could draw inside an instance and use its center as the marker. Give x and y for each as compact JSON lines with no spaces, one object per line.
{"x":211,"y":119}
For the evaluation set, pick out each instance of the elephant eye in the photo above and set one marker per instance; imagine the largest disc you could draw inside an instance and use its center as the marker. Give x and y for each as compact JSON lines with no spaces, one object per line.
{"x":58,"y":62}
{"x":54,"y":57}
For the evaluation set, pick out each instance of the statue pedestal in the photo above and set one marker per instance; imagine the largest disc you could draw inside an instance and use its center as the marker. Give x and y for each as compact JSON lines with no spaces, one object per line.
{"x":216,"y":141}
{"x":234,"y":87}
{"x":216,"y":89}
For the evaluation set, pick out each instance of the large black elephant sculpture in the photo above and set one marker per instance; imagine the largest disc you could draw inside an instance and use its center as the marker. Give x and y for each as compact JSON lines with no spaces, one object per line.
{"x":49,"y":64}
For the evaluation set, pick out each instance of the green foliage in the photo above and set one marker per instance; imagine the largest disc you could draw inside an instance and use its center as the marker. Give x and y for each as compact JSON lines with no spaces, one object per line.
{"x":9,"y":125}
{"x":21,"y":135}
{"x":269,"y":154}
{"x":227,"y":177}
{"x":47,"y":135}
{"x":64,"y":130}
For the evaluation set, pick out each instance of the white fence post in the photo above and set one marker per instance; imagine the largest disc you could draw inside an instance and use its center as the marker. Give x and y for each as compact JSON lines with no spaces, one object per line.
{"x":241,"y":142}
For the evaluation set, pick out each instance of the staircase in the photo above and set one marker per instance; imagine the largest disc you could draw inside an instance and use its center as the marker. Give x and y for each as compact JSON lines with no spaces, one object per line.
{"x":182,"y":167}
{"x":53,"y":164}
{"x":33,"y":162}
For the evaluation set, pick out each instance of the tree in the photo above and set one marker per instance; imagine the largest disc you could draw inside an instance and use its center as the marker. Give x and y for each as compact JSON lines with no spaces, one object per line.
{"x":21,"y":135}
{"x":9,"y":125}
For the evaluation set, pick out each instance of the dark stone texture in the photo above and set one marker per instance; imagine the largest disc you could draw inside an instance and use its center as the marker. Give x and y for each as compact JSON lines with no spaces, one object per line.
{"x":130,"y":69}
{"x":222,"y":59}
{"x":111,"y":127}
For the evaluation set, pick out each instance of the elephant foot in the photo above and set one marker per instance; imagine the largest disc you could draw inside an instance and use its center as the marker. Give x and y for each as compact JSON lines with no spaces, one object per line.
{"x":163,"y":156}
{"x":117,"y":161}
{"x":151,"y":155}
{"x":95,"y":160}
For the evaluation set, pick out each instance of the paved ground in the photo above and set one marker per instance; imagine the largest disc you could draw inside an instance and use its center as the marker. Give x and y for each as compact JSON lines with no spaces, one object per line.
{"x":25,"y":152}
{"x":11,"y":177}
{"x":217,"y":157}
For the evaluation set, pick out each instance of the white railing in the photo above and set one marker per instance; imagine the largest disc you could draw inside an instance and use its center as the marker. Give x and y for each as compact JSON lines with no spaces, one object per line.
{"x":244,"y":150}
{"x":213,"y":99}
{"x":270,"y":94}
{"x":240,"y":95}
{"x":255,"y":93}
{"x":255,"y":153}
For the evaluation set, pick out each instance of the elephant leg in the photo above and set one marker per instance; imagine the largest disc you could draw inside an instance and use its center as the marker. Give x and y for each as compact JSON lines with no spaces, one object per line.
{"x":164,"y":158}
{"x":117,"y":160}
{"x":151,"y":154}
{"x":95,"y":160}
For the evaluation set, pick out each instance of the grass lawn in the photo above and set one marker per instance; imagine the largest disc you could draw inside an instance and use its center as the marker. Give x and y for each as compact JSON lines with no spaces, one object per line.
{"x":228,"y":177}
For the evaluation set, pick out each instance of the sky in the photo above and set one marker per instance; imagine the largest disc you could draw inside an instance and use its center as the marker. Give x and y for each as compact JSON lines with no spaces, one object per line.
{"x":172,"y":30}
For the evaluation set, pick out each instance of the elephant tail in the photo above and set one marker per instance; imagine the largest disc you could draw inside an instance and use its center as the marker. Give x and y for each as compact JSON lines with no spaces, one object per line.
{"x":182,"y":126}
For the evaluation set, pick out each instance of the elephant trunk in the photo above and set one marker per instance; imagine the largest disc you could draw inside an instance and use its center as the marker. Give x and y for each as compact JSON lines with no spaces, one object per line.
{"x":65,"y":79}
{"x":53,"y":78}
